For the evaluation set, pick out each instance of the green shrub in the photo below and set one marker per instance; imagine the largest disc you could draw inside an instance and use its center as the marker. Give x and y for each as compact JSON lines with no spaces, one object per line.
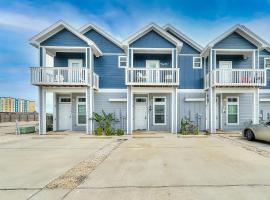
{"x":119,"y":132}
{"x":196,"y":131}
{"x":98,"y":131}
{"x":108,"y":131}
{"x":184,"y":124}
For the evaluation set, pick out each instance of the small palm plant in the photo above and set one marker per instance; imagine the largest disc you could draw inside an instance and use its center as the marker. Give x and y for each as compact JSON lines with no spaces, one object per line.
{"x":104,"y":122}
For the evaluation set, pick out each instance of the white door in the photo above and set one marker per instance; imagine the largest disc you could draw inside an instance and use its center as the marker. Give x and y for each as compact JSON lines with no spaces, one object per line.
{"x":226,"y":73}
{"x":153,"y":75}
{"x":140,"y":111}
{"x":65,"y":116}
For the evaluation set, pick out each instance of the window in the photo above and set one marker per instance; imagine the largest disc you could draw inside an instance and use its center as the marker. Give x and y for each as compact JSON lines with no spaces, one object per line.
{"x":140,"y":100}
{"x":64,"y":100}
{"x":267,"y":63}
{"x":152,"y":64}
{"x":197,"y":62}
{"x":122,"y":61}
{"x":81,"y":111}
{"x":232,"y":110}
{"x":159,"y":111}
{"x":75,"y":62}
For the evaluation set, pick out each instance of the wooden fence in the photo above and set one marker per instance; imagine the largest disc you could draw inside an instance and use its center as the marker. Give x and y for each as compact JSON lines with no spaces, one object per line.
{"x":13,"y":116}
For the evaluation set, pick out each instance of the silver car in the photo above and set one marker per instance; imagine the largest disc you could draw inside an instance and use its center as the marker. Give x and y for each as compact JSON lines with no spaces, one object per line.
{"x":257,"y":131}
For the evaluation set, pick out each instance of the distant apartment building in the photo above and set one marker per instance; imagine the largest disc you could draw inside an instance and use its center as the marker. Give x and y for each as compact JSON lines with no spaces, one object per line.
{"x":9,"y":104}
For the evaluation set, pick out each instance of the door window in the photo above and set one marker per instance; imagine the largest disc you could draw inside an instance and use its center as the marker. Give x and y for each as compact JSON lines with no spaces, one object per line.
{"x":81,"y":111}
{"x":159,"y":111}
{"x":232,"y":111}
{"x":152,"y":64}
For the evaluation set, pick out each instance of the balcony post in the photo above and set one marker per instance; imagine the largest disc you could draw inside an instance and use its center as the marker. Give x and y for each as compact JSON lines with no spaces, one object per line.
{"x":212,"y":112}
{"x":129,"y":111}
{"x":256,"y":106}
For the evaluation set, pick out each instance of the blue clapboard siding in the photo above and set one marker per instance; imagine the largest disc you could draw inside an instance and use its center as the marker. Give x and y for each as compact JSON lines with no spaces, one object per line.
{"x":190,"y":78}
{"x":238,"y":61}
{"x":234,"y":41}
{"x":61,"y":58}
{"x":110,"y":75}
{"x":186,"y":48}
{"x":264,"y":52}
{"x":105,"y":45}
{"x":139,"y":60}
{"x":152,"y":40}
{"x":64,"y":38}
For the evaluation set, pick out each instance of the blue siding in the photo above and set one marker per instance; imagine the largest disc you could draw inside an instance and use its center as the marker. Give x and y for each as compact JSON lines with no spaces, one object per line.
{"x":139,"y":60}
{"x":103,"y":43}
{"x":234,"y":41}
{"x":40,"y":56}
{"x":186,"y":49}
{"x":64,"y":38}
{"x":110,"y":75}
{"x":264,"y":52}
{"x":152,"y":40}
{"x":238,"y":61}
{"x":61,"y":58}
{"x":190,"y":78}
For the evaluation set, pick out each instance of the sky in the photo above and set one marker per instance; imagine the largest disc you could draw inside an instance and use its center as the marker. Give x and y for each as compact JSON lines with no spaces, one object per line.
{"x":200,"y":20}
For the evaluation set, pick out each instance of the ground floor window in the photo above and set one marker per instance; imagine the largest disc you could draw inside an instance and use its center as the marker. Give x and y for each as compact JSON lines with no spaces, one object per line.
{"x":232,"y":110}
{"x":159,"y":104}
{"x":81,"y":111}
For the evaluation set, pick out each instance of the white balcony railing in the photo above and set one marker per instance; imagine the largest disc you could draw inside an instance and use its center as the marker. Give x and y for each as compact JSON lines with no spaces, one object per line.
{"x":236,"y":78}
{"x":152,"y":77}
{"x":65,"y":76}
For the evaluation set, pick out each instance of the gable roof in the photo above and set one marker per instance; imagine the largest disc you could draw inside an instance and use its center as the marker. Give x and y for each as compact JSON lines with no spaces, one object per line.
{"x":244,"y":32}
{"x":90,"y":26}
{"x":156,"y":28}
{"x":55,"y":28}
{"x":169,"y":27}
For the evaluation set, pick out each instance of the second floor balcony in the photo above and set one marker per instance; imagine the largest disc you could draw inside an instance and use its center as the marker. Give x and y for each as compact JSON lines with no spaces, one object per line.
{"x":235,"y":78}
{"x":64,"y":76}
{"x":152,"y":76}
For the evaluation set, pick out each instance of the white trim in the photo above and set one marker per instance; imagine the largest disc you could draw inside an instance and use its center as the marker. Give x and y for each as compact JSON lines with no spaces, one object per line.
{"x":191,"y":90}
{"x":193,"y":62}
{"x":264,"y":64}
{"x":148,"y":113}
{"x":227,"y":106}
{"x":80,"y":103}
{"x":156,"y":28}
{"x":194,"y":99}
{"x":224,"y":63}
{"x":119,"y":61}
{"x":89,"y":27}
{"x":55,"y":28}
{"x":182,"y":36}
{"x":186,"y":54}
{"x":264,"y":99}
{"x":159,"y":103}
{"x":146,"y":90}
{"x":112,"y":91}
{"x":118,"y":100}
{"x":114,"y":54}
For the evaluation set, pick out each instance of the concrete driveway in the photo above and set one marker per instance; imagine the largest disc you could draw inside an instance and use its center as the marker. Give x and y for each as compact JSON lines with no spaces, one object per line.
{"x":152,"y":167}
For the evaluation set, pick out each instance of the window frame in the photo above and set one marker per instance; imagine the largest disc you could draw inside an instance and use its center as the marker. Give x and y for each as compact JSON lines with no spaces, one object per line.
{"x":64,"y":97}
{"x":75,"y":60}
{"x":77,"y":110}
{"x":227,"y":109}
{"x":154,"y":110}
{"x":193,"y":62}
{"x":266,"y":58}
{"x":157,"y":62}
{"x":119,"y":61}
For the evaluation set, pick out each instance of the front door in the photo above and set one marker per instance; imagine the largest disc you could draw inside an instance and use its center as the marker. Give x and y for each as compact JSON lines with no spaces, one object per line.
{"x":65,"y":114}
{"x":153,"y":75}
{"x":226,"y":74}
{"x":140,"y":111}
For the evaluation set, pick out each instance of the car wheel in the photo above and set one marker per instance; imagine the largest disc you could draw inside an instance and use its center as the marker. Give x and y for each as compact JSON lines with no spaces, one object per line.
{"x":250,"y":135}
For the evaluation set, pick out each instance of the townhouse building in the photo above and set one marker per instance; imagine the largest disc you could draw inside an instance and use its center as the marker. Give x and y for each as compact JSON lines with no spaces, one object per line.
{"x":152,"y":79}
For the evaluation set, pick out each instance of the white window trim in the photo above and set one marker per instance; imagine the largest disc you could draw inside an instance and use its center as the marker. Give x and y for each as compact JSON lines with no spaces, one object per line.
{"x":155,"y":61}
{"x":70,"y":61}
{"x":119,"y":58}
{"x":194,"y":58}
{"x":232,"y":103}
{"x":159,"y":103}
{"x":62,"y":97}
{"x":265,"y":62}
{"x":77,"y":113}
{"x":225,"y":62}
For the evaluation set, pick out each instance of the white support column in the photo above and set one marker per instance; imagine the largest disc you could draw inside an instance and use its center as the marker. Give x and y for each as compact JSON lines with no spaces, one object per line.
{"x":43,"y":57}
{"x":254,"y":59}
{"x":221,"y":111}
{"x":89,"y":111}
{"x":172,"y":111}
{"x":214,"y":119}
{"x":54,"y":112}
{"x":206,"y":111}
{"x":129,"y":111}
{"x":256,"y":106}
{"x":132,"y":55}
{"x":176,"y":110}
{"x":42,"y":111}
{"x":148,"y":113}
